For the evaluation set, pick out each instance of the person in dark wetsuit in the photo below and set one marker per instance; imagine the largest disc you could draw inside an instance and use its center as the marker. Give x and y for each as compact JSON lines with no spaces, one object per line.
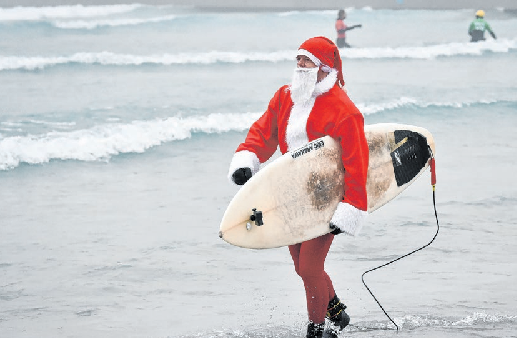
{"x":478,"y":27}
{"x":341,"y":28}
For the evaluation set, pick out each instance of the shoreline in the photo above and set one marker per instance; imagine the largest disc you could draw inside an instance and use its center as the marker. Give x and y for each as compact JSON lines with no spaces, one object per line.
{"x":280,"y":5}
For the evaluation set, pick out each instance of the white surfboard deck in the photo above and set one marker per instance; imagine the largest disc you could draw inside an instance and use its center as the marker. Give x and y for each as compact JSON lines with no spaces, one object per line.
{"x":298,"y":192}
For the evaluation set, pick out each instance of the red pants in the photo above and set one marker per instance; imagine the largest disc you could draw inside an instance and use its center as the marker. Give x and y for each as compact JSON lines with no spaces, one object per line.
{"x":309,"y":263}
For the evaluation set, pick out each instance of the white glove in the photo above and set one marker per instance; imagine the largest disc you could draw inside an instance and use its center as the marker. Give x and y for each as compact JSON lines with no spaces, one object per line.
{"x":347,"y":219}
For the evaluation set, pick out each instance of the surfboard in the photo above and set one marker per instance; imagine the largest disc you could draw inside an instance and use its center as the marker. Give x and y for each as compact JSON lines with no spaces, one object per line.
{"x":293,"y":198}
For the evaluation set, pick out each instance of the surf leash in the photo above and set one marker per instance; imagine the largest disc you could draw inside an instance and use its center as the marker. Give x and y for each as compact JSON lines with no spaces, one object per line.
{"x":433,"y":183}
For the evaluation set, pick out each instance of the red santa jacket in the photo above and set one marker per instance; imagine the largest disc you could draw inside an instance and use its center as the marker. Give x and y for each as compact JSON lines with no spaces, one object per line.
{"x":333,"y":114}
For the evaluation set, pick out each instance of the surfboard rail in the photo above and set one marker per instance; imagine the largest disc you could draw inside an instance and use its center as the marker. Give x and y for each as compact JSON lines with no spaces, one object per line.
{"x":297,"y":193}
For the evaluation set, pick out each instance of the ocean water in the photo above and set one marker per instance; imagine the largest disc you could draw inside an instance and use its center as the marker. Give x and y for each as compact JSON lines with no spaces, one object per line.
{"x":117,"y":125}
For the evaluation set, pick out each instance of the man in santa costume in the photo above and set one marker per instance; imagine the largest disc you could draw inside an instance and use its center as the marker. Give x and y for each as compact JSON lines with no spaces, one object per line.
{"x":312,"y":106}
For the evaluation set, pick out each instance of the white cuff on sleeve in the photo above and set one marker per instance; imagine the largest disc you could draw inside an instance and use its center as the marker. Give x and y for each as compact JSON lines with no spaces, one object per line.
{"x":244,"y":159}
{"x":348,"y":218}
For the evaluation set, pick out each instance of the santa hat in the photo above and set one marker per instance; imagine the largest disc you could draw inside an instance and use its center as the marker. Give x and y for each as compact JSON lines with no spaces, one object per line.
{"x":324,"y":53}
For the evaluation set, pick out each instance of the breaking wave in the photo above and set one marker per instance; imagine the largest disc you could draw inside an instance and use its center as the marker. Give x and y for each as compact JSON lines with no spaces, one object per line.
{"x":104,"y":141}
{"x":203,"y":58}
{"x":93,"y":24}
{"x":63,"y":12}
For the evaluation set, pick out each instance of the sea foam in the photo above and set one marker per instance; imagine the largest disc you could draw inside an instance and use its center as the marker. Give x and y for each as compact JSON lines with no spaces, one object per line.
{"x":62,"y":12}
{"x":104,"y":141}
{"x":107,"y":58}
{"x":107,"y":140}
{"x":93,"y":24}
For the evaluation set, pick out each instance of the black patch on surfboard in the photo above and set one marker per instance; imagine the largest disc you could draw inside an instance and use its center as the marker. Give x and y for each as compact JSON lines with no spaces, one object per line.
{"x":410,"y":157}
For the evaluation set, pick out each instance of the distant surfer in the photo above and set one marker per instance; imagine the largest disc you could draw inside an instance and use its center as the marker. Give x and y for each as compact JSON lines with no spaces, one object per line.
{"x":341,"y":28}
{"x":478,"y":27}
{"x":312,"y":106}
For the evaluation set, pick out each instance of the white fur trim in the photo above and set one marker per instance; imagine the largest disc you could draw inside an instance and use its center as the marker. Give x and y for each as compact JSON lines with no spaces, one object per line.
{"x":327,"y":83}
{"x":296,"y":131}
{"x":326,"y":68}
{"x":348,"y":218}
{"x":244,"y":159}
{"x":316,"y":61}
{"x":311,"y":56}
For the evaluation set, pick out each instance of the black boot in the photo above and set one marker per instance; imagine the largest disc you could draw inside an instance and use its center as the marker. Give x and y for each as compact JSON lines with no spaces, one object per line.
{"x":336,"y":313}
{"x":330,"y":333}
{"x":315,"y":330}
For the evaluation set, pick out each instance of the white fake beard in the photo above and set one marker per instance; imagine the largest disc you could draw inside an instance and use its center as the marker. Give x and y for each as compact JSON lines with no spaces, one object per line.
{"x":303,"y":84}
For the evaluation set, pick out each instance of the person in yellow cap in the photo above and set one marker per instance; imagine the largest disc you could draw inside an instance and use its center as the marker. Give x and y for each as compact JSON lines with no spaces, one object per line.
{"x":478,"y":27}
